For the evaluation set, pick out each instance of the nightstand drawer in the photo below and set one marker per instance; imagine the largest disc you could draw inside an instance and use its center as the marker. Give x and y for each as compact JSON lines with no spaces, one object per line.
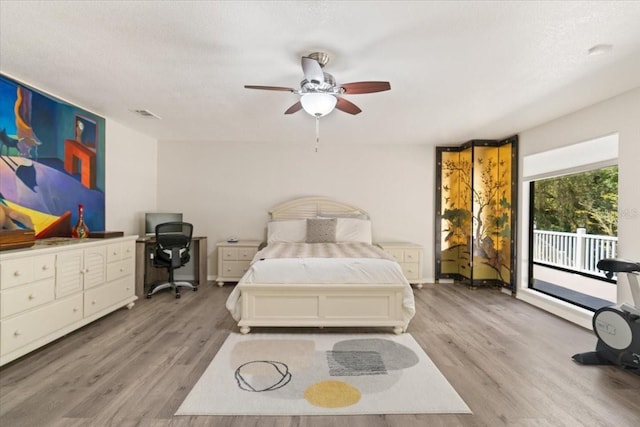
{"x":397,"y":254}
{"x":234,"y":259}
{"x":238,"y":254}
{"x":411,"y":270}
{"x":234,"y":268}
{"x":411,"y":255}
{"x":229,"y":254}
{"x":246,"y":254}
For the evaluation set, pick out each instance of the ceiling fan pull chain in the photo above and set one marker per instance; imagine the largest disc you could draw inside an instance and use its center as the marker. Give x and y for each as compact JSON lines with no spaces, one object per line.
{"x":317,"y":132}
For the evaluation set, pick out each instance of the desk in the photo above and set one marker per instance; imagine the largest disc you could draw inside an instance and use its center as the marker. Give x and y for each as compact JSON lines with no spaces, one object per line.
{"x":147,"y":274}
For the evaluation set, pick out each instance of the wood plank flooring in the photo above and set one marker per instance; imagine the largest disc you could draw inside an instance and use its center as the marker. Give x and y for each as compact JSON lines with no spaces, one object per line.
{"x":509,"y":361}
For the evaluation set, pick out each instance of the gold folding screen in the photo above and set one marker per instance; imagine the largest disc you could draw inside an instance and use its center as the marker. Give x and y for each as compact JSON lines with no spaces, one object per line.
{"x":476,"y":196}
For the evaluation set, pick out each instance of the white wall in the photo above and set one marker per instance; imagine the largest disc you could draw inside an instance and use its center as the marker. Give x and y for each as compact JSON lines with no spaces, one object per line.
{"x":620,"y":115}
{"x":227,"y":189}
{"x":131,"y":178}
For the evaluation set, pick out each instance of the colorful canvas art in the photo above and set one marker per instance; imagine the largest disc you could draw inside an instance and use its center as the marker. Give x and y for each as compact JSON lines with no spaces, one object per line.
{"x":52,"y":158}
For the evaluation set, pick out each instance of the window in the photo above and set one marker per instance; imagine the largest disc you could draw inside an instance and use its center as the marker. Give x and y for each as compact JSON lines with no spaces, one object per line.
{"x":573,"y":225}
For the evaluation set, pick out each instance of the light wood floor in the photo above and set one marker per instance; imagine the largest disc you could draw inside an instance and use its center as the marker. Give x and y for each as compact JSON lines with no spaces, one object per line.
{"x":509,"y":361}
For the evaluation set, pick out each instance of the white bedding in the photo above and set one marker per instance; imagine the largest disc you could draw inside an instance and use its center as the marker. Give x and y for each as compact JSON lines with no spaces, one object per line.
{"x":321,"y":271}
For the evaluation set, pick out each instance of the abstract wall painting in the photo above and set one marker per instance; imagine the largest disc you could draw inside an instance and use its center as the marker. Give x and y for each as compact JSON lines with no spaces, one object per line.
{"x":52,"y":158}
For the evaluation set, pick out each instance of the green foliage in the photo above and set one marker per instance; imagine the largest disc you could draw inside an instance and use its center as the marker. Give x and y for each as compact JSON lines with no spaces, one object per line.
{"x":584,"y":200}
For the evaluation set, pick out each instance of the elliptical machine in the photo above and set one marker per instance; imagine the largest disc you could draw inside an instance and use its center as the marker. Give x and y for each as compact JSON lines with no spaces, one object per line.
{"x":618,"y":326}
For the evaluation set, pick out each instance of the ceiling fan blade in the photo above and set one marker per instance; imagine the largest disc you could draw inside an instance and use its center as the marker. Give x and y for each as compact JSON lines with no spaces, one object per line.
{"x":347,"y":106}
{"x":365,"y":87}
{"x":285,"y":89}
{"x":294,"y":108}
{"x":312,"y":70}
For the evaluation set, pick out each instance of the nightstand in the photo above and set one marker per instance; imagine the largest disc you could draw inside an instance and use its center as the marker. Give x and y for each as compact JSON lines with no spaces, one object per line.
{"x":409,"y":256}
{"x":234,"y":259}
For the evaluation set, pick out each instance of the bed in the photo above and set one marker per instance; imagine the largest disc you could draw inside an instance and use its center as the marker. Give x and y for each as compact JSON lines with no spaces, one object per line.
{"x":304,"y":278}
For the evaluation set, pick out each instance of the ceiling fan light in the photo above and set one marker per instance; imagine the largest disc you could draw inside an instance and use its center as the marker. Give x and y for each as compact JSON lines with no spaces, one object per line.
{"x":318,"y":104}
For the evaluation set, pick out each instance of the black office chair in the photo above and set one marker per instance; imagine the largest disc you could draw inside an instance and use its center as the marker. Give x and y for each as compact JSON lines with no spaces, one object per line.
{"x":173,"y":241}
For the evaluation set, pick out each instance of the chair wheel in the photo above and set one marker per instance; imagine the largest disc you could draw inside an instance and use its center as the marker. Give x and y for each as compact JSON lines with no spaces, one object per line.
{"x":177,"y":296}
{"x":148,"y":296}
{"x":195,"y":288}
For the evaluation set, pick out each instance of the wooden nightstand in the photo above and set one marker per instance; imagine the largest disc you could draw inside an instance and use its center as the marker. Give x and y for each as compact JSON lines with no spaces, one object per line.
{"x":234,"y":259}
{"x":409,"y":256}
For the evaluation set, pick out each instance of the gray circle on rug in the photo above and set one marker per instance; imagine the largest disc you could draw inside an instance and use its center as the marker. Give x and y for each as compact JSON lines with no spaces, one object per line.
{"x":394,"y":356}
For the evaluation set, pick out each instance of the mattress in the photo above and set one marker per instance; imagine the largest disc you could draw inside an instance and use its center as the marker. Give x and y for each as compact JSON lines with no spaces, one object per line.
{"x":291,"y":266}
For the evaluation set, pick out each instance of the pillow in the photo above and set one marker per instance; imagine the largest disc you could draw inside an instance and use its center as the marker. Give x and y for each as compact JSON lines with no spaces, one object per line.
{"x":290,"y":231}
{"x":353,"y":230}
{"x":355,"y":214}
{"x":321,"y":230}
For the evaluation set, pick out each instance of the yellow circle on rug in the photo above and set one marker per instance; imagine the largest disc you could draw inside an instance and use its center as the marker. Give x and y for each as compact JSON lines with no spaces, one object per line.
{"x":332,"y":394}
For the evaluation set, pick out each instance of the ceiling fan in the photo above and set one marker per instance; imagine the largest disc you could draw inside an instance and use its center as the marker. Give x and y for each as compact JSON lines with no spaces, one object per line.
{"x":319,"y":93}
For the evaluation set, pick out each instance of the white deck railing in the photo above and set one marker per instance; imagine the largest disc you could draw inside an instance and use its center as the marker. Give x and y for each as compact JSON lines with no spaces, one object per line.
{"x":577,"y":251}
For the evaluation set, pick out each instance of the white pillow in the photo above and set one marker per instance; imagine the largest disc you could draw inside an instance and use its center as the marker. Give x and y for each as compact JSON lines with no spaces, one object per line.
{"x":353,"y":230}
{"x":290,"y":231}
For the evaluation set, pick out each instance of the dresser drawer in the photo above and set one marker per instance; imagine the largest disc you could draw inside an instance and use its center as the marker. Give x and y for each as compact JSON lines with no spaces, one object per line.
{"x":114,"y":252}
{"x":101,"y":297}
{"x":16,"y":272}
{"x":23,"y":329}
{"x":120,"y":251}
{"x":44,"y":267}
{"x":119,"y":269}
{"x":26,"y":297}
{"x":234,"y":268}
{"x":24,"y":270}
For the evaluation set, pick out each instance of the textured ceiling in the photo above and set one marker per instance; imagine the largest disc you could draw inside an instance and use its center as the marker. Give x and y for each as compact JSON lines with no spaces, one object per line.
{"x":458,"y":70}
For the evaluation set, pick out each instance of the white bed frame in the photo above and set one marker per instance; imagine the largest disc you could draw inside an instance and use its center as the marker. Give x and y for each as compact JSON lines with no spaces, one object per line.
{"x":320,"y":305}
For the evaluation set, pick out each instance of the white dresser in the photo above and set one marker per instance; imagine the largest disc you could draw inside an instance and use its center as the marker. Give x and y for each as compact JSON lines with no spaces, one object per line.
{"x":59,"y":285}
{"x":234,"y":259}
{"x":409,"y":256}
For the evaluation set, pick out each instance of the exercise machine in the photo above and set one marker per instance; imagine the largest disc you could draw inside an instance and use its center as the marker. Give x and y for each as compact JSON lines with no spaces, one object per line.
{"x":617,"y":326}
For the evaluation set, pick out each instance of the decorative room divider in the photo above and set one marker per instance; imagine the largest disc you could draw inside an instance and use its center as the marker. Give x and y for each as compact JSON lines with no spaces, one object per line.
{"x":476,"y":195}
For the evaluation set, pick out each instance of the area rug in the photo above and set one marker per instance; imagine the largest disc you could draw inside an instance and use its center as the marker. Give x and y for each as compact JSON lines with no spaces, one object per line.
{"x":321,"y":374}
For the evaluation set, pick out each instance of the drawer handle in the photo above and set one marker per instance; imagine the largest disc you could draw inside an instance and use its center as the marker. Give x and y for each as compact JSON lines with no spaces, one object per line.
{"x":121,"y":269}
{"x":16,"y":273}
{"x":17,"y":333}
{"x":75,"y":309}
{"x":45,"y":267}
{"x":31,"y":297}
{"x":93,"y":302}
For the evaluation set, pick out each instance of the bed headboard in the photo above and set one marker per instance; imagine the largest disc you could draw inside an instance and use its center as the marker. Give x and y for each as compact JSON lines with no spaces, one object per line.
{"x":312,"y":207}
